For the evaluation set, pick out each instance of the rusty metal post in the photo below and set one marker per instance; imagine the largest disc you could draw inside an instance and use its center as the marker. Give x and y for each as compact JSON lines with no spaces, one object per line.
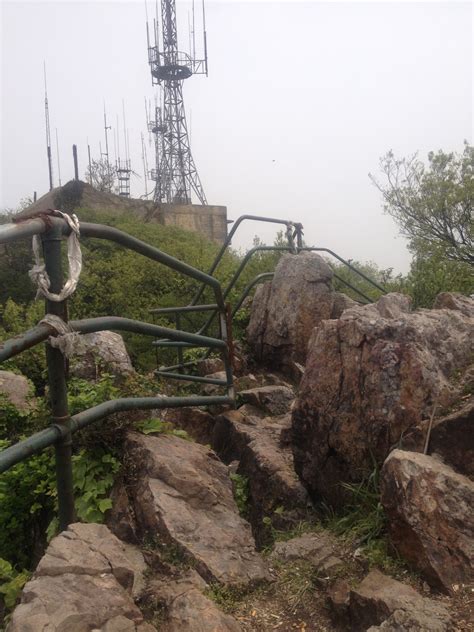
{"x":57,"y":382}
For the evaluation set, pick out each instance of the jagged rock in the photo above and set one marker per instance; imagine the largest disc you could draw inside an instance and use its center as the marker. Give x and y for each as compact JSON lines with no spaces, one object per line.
{"x":184,"y":494}
{"x":119,"y":518}
{"x":316,"y":548}
{"x":285,"y":311}
{"x":197,"y":423}
{"x":102,"y":351}
{"x":86,"y":580}
{"x":210,"y":365}
{"x":378,"y":597}
{"x":267,"y":463}
{"x":430,"y":517}
{"x":454,"y":300}
{"x":16,"y":388}
{"x":370,"y":377}
{"x":186,"y":608}
{"x":274,"y":400}
{"x":452,"y":438}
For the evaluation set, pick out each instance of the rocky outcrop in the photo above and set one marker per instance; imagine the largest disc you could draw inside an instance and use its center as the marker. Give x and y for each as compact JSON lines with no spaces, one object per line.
{"x":183,"y":495}
{"x":454,"y":300}
{"x":273,"y":400}
{"x":16,"y":388}
{"x":266,"y":461}
{"x":380,"y":599}
{"x":430,"y":517}
{"x":187,"y":609}
{"x":285,"y":311}
{"x":87,"y":580}
{"x":102,"y":351}
{"x":318,"y":549}
{"x":370,"y":377}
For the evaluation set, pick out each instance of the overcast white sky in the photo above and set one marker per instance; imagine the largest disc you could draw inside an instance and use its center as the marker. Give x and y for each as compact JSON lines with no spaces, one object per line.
{"x":301,"y":100}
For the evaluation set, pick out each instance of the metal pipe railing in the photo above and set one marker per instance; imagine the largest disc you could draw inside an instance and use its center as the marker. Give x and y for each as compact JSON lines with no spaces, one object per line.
{"x":59,"y":434}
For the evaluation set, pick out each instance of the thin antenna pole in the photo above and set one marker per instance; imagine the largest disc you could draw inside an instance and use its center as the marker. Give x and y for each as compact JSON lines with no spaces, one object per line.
{"x":48,"y":131}
{"x":76,"y":166}
{"x":205,"y":35}
{"x":106,"y":127}
{"x":57,"y":154}
{"x":144,"y":165}
{"x":118,"y":139}
{"x":194,"y":35}
{"x":90,"y":162}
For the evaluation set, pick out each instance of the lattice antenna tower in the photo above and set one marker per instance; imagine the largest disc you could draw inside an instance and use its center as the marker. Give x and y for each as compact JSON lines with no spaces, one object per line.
{"x":176,"y":176}
{"x":124,"y":169}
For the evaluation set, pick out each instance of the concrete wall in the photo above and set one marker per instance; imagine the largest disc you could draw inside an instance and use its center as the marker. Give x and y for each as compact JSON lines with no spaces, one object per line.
{"x":208,"y":221}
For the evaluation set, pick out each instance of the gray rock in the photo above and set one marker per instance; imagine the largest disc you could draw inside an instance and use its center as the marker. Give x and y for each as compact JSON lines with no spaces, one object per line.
{"x":102,"y":351}
{"x":455,"y":300}
{"x":430,"y":517}
{"x":17,"y":389}
{"x":316,"y":548}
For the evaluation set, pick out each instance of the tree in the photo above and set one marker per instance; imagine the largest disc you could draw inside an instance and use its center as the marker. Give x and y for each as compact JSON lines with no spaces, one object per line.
{"x":101,"y":175}
{"x":433,"y":204}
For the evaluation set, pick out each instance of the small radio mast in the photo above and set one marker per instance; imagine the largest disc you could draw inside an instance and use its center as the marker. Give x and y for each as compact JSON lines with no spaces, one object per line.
{"x":48,"y":131}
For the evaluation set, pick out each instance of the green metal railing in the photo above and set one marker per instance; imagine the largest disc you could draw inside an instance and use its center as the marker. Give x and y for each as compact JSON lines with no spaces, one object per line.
{"x":294,"y":235}
{"x":52,"y":230}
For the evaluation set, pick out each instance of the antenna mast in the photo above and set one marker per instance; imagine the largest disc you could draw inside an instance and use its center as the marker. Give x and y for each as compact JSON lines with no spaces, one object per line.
{"x":48,"y":131}
{"x":175,"y":175}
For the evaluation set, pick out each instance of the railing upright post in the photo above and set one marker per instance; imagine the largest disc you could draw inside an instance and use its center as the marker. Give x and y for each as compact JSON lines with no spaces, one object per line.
{"x":57,"y":382}
{"x":299,"y":236}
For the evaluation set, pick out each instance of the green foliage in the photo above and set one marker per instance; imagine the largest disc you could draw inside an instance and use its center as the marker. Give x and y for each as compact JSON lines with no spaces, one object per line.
{"x":383,"y":277}
{"x":240,"y":487}
{"x":83,"y":394}
{"x":27,"y":502}
{"x":11,"y":583}
{"x":158,"y":426}
{"x":93,"y":477}
{"x":433,"y":273}
{"x":432,"y":204}
{"x":364,"y":518}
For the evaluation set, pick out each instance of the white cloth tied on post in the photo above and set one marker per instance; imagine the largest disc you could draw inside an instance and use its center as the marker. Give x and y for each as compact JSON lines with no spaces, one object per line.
{"x":68,"y":341}
{"x":38,"y":272}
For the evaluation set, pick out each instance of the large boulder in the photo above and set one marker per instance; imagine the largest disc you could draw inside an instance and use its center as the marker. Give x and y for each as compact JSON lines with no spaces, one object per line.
{"x":430,"y":517}
{"x":371,"y":376}
{"x":87,"y":580}
{"x":183,"y":496}
{"x":102,"y":351}
{"x":285,"y":311}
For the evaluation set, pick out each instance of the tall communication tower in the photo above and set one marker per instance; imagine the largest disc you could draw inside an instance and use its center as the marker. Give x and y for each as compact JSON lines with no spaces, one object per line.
{"x":176,"y":175}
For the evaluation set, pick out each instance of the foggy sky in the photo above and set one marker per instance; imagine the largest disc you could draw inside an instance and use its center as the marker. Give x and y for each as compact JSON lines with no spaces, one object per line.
{"x":301,"y":101}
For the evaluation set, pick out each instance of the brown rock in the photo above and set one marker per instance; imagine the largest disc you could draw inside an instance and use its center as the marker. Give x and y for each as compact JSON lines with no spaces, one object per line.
{"x":17,"y":389}
{"x":86,"y":580}
{"x":197,"y":423}
{"x":379,"y":596}
{"x":338,"y":595}
{"x":183,"y":493}
{"x":119,"y":518}
{"x":430,"y":517}
{"x":274,"y":400}
{"x":369,"y":379}
{"x":258,"y":319}
{"x":267,"y":463}
{"x":452,"y":438}
{"x":315,"y":548}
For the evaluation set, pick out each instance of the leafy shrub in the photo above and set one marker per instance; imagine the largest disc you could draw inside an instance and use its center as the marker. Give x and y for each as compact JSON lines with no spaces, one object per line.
{"x":240,"y":486}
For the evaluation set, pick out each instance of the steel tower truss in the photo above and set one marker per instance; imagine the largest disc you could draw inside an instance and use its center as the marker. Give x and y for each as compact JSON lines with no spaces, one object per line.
{"x":176,"y":175}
